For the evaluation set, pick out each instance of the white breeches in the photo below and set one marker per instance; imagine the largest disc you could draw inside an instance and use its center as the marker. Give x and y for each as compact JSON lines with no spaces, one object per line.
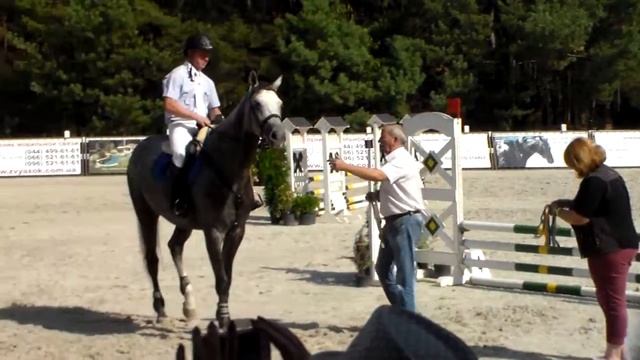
{"x":181,"y":132}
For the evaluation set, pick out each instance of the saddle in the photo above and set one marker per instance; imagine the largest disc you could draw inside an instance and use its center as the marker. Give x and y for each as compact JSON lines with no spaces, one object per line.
{"x":180,"y":178}
{"x":195,"y":144}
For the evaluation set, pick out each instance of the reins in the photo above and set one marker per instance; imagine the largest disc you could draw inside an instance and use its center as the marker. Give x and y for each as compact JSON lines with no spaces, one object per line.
{"x":548,"y":227}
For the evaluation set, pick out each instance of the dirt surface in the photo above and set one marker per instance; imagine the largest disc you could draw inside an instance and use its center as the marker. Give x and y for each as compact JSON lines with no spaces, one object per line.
{"x":73,"y":284}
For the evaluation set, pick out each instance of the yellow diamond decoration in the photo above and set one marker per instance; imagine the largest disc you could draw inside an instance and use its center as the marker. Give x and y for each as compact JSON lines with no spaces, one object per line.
{"x":431,"y":162}
{"x":432,"y":226}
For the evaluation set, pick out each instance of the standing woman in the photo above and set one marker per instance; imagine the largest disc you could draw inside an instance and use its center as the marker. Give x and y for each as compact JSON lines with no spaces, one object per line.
{"x":600,"y":215}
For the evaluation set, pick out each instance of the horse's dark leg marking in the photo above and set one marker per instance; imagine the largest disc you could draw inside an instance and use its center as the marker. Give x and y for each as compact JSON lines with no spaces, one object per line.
{"x":176,"y":246}
{"x":214,"y":239}
{"x":148,"y":227}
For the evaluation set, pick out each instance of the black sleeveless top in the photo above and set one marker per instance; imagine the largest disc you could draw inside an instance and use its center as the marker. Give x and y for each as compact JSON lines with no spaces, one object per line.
{"x":603,"y":199}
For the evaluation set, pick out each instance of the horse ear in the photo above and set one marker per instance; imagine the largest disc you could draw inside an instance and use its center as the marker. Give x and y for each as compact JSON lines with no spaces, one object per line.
{"x":253,"y":79}
{"x":276,"y":84}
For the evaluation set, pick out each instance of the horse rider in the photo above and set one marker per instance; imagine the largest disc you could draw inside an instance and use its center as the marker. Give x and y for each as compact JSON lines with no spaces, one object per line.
{"x":190,"y":102}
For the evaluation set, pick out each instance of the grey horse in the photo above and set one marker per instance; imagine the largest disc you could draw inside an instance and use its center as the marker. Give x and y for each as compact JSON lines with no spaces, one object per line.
{"x":220,"y":189}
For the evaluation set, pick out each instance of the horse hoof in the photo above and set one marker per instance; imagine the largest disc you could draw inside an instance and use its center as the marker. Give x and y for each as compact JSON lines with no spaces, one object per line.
{"x":190,"y":314}
{"x":162,"y":318}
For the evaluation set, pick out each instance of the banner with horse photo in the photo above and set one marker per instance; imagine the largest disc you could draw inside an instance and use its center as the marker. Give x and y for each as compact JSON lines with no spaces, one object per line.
{"x":544,"y":149}
{"x":110,"y":155}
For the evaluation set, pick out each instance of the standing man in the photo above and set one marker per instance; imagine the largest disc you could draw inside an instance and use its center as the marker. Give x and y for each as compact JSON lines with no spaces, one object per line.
{"x":402,"y":206}
{"x":190,"y":101}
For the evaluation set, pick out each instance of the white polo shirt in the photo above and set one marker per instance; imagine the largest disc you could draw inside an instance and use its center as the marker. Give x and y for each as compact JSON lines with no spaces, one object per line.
{"x":192,"y":88}
{"x":402,"y":191}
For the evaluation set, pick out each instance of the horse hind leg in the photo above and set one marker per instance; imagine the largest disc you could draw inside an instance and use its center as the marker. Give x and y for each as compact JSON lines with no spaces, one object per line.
{"x":176,"y":246}
{"x":148,"y":229}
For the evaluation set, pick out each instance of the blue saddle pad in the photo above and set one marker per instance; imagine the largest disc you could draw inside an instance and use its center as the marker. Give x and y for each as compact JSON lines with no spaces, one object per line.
{"x":160,"y":169}
{"x":161,"y":166}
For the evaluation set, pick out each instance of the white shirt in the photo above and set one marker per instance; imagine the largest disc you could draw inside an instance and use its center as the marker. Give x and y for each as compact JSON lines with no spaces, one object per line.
{"x":192,"y":88}
{"x":402,"y":191}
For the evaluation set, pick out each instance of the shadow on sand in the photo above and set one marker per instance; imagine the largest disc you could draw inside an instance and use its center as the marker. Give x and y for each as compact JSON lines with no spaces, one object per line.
{"x":330,"y":278}
{"x":79,"y":320}
{"x":500,"y":352}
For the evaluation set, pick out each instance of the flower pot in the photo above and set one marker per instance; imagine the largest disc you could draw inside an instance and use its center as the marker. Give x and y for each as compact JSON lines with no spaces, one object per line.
{"x":275,"y":220}
{"x":307,"y":219}
{"x":289,"y":219}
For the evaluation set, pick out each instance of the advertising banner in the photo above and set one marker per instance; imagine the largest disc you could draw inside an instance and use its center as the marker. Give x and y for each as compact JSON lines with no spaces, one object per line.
{"x":621,"y":147}
{"x":41,"y":157}
{"x":110,"y":155}
{"x":474,"y":149}
{"x":543,"y":149}
{"x":354,"y":150}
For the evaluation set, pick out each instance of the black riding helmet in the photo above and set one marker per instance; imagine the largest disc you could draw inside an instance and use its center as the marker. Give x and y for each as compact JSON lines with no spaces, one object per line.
{"x":197,"y":42}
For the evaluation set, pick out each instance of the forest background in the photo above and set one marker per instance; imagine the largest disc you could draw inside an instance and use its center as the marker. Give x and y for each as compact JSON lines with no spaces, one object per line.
{"x":95,"y":66}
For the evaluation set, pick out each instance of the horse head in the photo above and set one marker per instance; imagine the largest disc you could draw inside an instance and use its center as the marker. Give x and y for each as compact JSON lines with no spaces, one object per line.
{"x":266,"y":111}
{"x":540,"y":145}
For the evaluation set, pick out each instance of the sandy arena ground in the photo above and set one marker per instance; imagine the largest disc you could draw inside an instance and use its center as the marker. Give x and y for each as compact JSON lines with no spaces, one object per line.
{"x":73,"y":284}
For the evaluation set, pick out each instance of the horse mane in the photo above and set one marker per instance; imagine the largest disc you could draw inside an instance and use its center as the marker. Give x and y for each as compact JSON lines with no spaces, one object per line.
{"x":262,"y":85}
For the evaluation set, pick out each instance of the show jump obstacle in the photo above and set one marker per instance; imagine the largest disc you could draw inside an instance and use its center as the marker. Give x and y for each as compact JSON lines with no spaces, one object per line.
{"x":464,"y":256}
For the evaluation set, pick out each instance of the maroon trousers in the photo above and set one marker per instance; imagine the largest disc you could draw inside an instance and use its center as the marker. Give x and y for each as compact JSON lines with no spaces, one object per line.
{"x":609,"y":273}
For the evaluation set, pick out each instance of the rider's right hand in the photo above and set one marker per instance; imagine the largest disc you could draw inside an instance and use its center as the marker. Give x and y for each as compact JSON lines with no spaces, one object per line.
{"x":203,"y":121}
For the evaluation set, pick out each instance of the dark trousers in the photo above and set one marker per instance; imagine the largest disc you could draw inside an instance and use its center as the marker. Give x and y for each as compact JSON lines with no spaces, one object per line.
{"x":609,"y":273}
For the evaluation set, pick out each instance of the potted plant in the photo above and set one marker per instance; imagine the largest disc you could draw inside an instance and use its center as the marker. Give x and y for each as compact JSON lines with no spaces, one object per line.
{"x":273,"y":171}
{"x":305,"y":207}
{"x":284,"y":203}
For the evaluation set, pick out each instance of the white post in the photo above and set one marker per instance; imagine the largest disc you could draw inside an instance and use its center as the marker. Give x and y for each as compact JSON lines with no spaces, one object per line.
{"x":458,"y":215}
{"x":290,"y":160}
{"x":374,"y":231}
{"x":326,"y":170}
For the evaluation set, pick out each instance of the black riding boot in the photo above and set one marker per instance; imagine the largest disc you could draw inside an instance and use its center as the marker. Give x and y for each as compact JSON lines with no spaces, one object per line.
{"x":179,"y":190}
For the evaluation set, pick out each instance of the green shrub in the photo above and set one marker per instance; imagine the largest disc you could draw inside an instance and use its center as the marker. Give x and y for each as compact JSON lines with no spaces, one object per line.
{"x":305,"y":204}
{"x":272,"y":170}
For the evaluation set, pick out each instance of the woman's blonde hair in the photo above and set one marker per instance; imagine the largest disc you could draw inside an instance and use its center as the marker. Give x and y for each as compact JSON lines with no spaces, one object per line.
{"x":583,"y":156}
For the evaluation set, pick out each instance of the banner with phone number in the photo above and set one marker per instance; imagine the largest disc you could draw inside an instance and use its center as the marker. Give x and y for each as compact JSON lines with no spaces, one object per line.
{"x":40,"y":157}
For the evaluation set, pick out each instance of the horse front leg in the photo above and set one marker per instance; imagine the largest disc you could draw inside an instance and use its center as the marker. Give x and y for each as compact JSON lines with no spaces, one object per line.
{"x":214,"y":241}
{"x":176,"y":246}
{"x":230,"y":247}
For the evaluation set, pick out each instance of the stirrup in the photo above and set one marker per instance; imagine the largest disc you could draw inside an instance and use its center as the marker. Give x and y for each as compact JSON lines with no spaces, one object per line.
{"x":180,"y":207}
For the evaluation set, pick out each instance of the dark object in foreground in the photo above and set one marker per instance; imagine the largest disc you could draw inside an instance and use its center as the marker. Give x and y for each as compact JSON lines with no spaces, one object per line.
{"x":390,"y":333}
{"x":246,"y":340}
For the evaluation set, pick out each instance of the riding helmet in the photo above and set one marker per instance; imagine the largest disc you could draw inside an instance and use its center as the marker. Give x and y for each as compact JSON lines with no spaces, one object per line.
{"x":197,"y":42}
